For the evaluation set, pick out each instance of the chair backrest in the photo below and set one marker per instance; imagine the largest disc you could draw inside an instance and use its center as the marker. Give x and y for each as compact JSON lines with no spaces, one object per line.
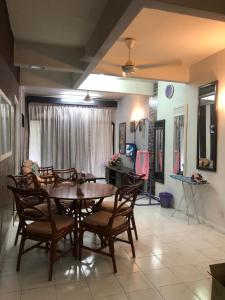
{"x":27,"y":181}
{"x":133,"y":178}
{"x":124,"y":201}
{"x":45,"y":170}
{"x":46,"y":175}
{"x":27,"y":207}
{"x":65,"y":175}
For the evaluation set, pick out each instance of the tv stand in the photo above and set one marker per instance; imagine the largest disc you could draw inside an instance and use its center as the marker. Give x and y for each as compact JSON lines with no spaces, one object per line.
{"x":116,"y":175}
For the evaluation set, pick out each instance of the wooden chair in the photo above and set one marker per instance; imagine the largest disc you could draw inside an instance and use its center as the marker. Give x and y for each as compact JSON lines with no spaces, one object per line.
{"x":28,"y":181}
{"x":108,"y":225}
{"x":69,"y":175}
{"x":46,"y":175}
{"x":131,"y":179}
{"x":43,"y":227}
{"x":65,"y":175}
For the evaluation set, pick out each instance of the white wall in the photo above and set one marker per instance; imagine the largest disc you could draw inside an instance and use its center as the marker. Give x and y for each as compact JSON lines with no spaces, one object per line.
{"x":211,"y":198}
{"x":183,"y":94}
{"x":129,"y":108}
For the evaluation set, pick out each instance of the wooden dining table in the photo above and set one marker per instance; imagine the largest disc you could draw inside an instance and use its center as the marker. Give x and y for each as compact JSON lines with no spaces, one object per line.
{"x":68,"y":191}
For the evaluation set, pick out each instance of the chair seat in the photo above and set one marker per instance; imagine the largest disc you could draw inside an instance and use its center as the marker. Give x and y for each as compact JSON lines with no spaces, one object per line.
{"x":44,"y":228}
{"x":101,"y":219}
{"x":109,"y":205}
{"x":41,"y":208}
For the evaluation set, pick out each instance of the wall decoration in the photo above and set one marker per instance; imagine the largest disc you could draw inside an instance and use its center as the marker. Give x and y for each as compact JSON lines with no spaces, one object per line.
{"x":132,"y":126}
{"x":207,"y":127}
{"x":6,"y":123}
{"x":122,"y":138}
{"x":169,"y":91}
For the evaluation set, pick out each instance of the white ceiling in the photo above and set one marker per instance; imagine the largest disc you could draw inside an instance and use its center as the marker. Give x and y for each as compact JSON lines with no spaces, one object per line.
{"x":59,"y":22}
{"x":166,"y":36}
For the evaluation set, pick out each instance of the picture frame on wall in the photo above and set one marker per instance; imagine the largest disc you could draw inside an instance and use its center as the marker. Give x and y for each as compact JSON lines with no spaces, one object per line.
{"x":122,"y":138}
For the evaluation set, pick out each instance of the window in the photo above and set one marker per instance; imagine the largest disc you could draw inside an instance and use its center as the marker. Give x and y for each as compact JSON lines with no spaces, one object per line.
{"x":6,"y":122}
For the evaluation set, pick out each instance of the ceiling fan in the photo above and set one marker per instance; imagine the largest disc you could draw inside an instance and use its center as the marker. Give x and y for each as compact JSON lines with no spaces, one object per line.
{"x":88,"y":98}
{"x":130,"y":68}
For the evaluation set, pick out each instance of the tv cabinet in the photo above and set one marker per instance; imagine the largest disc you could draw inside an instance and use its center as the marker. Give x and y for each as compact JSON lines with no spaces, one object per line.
{"x":116,"y":175}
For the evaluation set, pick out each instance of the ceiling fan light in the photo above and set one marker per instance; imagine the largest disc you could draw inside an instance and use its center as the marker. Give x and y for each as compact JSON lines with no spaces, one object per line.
{"x":87,"y":98}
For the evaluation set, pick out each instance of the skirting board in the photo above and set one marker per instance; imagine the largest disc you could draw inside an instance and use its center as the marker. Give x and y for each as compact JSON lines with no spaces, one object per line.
{"x":217,"y":227}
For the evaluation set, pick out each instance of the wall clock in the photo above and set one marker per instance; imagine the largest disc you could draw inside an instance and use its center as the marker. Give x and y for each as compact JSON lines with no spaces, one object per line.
{"x":169,"y":91}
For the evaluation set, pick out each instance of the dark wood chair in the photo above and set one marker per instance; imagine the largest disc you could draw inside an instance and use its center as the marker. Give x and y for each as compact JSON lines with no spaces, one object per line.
{"x":66,"y":207}
{"x":130,"y":179}
{"x":46,"y":175}
{"x":108,"y":225}
{"x":62,"y":175}
{"x":28,"y":181}
{"x":43,"y":227}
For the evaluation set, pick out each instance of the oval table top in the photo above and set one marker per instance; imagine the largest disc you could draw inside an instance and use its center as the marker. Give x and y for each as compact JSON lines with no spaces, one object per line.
{"x":68,"y":191}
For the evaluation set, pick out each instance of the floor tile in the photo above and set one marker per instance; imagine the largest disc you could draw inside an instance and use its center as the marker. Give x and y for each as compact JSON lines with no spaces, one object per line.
{"x":113,"y":297}
{"x":134,"y":281}
{"x":201,"y":288}
{"x":149,"y":262}
{"x":149,"y":294}
{"x":105,"y":287}
{"x":73,"y":291}
{"x":187,"y":273}
{"x":161,"y":277}
{"x":177,"y":292}
{"x":10,"y":296}
{"x":47,"y":293}
{"x":10,"y":283}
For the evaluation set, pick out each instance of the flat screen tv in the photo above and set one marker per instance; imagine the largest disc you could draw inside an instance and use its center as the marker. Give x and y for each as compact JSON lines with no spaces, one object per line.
{"x":131,"y":150}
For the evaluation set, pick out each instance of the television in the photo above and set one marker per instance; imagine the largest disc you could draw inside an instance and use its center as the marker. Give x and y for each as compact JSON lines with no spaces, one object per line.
{"x":131,"y":150}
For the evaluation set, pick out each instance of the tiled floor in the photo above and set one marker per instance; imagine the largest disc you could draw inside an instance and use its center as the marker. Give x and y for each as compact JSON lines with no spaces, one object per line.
{"x":172,"y":260}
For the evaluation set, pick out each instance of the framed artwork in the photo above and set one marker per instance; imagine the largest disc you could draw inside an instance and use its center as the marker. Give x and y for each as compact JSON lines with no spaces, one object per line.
{"x":132,"y":126}
{"x":122,"y":138}
{"x":6,"y":124}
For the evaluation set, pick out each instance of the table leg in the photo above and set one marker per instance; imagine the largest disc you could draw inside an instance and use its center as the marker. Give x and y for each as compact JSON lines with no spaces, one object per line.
{"x":76,"y":236}
{"x":194,"y":204}
{"x":186,"y":202}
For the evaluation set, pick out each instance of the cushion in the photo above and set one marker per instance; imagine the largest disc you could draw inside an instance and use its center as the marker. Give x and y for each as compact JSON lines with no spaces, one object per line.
{"x":101,"y":218}
{"x":43,"y":207}
{"x":109,"y":205}
{"x":44,"y":228}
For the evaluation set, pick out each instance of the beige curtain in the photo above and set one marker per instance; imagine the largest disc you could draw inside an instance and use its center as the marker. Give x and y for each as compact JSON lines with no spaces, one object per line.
{"x":72,"y":136}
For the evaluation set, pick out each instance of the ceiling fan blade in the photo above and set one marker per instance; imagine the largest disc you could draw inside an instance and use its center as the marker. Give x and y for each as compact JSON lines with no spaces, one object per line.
{"x":159,"y":64}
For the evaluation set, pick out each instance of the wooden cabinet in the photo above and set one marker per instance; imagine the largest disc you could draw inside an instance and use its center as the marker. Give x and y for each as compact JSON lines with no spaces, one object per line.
{"x":116,"y":175}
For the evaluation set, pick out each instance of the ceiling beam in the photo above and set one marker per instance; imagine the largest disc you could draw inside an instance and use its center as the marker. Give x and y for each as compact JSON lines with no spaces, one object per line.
{"x":44,"y":78}
{"x":209,"y":9}
{"x":48,"y":57}
{"x":114,"y":20}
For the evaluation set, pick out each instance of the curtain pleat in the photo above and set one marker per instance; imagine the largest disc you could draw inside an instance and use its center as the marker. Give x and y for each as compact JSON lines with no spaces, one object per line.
{"x":73,"y":136}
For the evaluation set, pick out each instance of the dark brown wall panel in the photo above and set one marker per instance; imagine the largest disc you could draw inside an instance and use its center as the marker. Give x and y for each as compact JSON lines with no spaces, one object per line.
{"x":9,"y":84}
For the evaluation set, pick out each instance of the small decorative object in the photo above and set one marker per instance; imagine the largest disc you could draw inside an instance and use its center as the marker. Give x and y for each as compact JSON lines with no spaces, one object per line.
{"x":197,"y":177}
{"x":169,"y":91}
{"x":122,"y":137}
{"x":132,"y":126}
{"x":115,"y":160}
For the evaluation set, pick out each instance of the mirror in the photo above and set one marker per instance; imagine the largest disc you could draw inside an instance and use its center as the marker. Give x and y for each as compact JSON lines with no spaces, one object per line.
{"x":159,"y":150}
{"x":178,"y":145}
{"x":6,"y":119}
{"x":207,"y":127}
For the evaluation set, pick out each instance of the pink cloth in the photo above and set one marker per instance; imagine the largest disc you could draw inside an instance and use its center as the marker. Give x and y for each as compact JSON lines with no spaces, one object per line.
{"x":142,"y":163}
{"x":176,"y":162}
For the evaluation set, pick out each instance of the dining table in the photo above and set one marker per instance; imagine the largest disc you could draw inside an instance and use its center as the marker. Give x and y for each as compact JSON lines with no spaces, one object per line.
{"x":78,"y":193}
